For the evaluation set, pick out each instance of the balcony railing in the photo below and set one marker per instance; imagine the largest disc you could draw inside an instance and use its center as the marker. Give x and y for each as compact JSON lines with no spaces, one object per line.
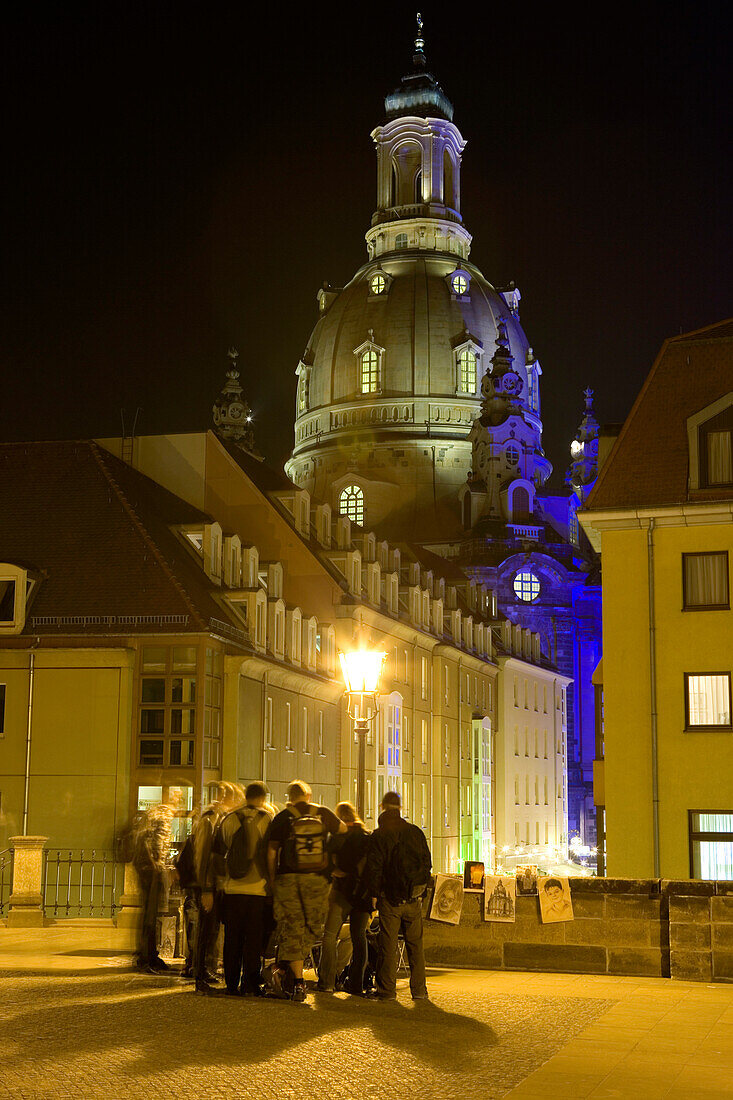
{"x":81,"y":883}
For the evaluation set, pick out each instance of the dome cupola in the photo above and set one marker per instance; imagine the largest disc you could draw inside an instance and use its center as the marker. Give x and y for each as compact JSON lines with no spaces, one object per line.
{"x":419,"y":152}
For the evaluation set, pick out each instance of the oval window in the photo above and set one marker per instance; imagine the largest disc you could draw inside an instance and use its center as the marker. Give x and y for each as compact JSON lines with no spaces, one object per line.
{"x":378,"y":284}
{"x":459,"y":284}
{"x":526,"y":587}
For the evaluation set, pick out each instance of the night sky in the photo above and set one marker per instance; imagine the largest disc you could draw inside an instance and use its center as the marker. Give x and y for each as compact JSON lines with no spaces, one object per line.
{"x":180,"y":178}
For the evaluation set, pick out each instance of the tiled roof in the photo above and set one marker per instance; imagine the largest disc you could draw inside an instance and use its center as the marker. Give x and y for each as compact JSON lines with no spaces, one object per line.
{"x":99,"y":534}
{"x":648,"y":465}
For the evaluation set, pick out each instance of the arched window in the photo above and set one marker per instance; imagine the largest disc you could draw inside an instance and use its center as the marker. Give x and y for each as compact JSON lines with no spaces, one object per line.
{"x":418,"y":185}
{"x":351,"y":504}
{"x":520,"y":506}
{"x":369,"y":371}
{"x":449,"y":187}
{"x":393,"y":191}
{"x":467,"y":371}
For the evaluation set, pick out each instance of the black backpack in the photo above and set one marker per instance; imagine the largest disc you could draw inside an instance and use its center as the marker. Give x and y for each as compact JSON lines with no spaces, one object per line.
{"x":407,"y":868}
{"x":245,"y":849}
{"x":186,"y":864}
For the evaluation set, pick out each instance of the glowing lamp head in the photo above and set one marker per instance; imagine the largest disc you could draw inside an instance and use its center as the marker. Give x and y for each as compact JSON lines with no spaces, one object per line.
{"x":361,"y":669}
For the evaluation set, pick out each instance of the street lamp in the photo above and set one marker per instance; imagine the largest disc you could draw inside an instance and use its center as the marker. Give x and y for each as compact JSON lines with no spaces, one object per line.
{"x":362,"y":669}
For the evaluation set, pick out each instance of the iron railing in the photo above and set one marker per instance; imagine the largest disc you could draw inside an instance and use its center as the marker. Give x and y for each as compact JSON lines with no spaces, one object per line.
{"x":79,"y":882}
{"x":6,"y":880}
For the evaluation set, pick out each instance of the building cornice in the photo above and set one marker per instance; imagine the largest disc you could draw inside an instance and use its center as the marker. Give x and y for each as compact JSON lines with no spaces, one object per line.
{"x":689,"y":514}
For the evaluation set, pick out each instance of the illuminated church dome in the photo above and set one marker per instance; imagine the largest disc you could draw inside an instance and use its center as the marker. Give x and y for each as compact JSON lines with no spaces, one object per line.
{"x":390,"y":383}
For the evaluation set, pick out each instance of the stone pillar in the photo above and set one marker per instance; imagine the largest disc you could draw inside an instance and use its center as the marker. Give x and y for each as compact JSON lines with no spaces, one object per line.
{"x":689,"y":929}
{"x":26,"y":900}
{"x":130,"y":900}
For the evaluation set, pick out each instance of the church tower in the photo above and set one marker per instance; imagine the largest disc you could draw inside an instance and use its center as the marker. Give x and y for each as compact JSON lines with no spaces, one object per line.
{"x":391,"y":381}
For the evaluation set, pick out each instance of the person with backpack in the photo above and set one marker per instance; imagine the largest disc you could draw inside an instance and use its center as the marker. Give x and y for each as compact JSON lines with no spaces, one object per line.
{"x":345,"y":903}
{"x":298,"y":867}
{"x":398,"y":864}
{"x":241,"y":843}
{"x":209,"y":869}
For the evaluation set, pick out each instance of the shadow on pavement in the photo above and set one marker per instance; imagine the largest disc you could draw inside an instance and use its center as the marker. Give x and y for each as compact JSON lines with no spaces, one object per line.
{"x":158,"y":1025}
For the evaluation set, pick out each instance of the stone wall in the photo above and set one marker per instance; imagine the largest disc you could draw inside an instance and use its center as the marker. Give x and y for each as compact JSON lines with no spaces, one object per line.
{"x":622,"y":926}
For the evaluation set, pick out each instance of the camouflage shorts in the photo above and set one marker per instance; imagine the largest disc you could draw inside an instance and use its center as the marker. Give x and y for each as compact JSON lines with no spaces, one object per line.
{"x":301,"y":904}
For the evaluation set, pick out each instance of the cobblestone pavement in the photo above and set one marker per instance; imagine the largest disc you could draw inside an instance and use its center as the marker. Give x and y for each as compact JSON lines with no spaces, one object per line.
{"x":106,"y":1031}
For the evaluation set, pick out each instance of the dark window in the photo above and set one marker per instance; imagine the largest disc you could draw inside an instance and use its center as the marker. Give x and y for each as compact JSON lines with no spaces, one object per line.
{"x":711,"y":844}
{"x":152,"y":721}
{"x":707,"y":700}
{"x":181,"y":753}
{"x":151,"y":752}
{"x":153,"y":691}
{"x":7,"y":601}
{"x":2,"y":708}
{"x":520,"y":506}
{"x":705,"y":581}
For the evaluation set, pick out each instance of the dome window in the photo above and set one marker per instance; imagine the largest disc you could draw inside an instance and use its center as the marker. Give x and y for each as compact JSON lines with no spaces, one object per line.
{"x":459,"y":284}
{"x":369,"y":366}
{"x":400,"y":240}
{"x":526,"y":587}
{"x":379,"y":283}
{"x":467,"y":363}
{"x":351,"y":504}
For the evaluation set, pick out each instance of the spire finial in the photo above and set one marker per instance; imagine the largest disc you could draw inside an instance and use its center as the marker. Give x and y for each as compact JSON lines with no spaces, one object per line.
{"x":418,"y":57}
{"x":588,"y":394}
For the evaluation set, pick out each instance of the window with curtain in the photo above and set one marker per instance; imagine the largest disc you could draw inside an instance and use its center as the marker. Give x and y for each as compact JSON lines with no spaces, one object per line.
{"x":711,"y":844}
{"x":719,"y":457}
{"x":705,"y":581}
{"x":707,"y":700}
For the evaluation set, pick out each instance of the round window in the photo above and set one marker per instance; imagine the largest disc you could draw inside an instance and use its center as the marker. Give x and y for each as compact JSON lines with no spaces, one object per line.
{"x":526,"y":587}
{"x":512,"y":454}
{"x":377,"y":284}
{"x":460,"y":284}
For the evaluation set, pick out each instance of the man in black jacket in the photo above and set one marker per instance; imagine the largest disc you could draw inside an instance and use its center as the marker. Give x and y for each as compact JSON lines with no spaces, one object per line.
{"x":397,"y":871}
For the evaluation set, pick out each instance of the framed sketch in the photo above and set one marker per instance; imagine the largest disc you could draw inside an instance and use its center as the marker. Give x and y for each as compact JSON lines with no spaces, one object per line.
{"x":500,"y":898}
{"x":447,"y":899}
{"x":556,"y":903}
{"x":473,"y":876}
{"x":526,"y":879}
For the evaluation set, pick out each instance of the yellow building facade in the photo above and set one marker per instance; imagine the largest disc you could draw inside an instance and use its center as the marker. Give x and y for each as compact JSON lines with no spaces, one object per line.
{"x":662,"y":516}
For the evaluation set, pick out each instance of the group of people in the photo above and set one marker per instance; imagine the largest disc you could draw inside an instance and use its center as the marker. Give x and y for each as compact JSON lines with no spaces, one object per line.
{"x":283,"y":882}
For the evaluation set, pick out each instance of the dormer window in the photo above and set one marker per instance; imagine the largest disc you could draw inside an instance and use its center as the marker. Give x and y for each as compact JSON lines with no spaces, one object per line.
{"x":369,"y":371}
{"x":459,"y":284}
{"x":467,"y":371}
{"x":15,"y":589}
{"x":710,"y":442}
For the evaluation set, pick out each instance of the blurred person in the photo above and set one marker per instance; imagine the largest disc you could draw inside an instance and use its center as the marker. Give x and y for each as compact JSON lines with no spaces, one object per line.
{"x":150,"y":854}
{"x":297,"y":864}
{"x":398,"y":865}
{"x":242,"y":845}
{"x":186,"y":869}
{"x":345,"y":903}
{"x":209,"y":868}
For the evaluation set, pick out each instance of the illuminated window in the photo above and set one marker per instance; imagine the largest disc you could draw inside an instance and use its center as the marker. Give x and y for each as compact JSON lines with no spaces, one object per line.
{"x":512,"y":454}
{"x":351,"y":504}
{"x":459,"y":283}
{"x":705,"y":581}
{"x":711,"y":844}
{"x":378,"y":284}
{"x":369,"y":371}
{"x":707,"y":700}
{"x":400,"y":240}
{"x":526,"y":587}
{"x":467,"y":371}
{"x":302,"y":392}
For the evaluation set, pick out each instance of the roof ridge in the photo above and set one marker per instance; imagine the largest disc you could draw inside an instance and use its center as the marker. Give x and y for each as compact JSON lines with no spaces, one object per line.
{"x":145,"y":534}
{"x":682,"y":336}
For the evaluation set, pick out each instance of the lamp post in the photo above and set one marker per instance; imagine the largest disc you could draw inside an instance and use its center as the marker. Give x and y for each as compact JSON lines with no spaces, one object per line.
{"x":362,"y":669}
